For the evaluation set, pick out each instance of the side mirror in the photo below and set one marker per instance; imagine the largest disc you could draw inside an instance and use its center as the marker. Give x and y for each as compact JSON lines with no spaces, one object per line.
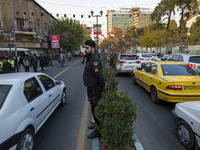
{"x":58,"y":82}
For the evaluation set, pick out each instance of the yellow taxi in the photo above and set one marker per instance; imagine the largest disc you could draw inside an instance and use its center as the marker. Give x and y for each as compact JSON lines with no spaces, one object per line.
{"x":168,"y":81}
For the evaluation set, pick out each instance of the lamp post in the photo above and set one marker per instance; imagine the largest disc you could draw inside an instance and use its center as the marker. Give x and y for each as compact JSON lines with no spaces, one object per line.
{"x":13,"y":19}
{"x":101,"y":13}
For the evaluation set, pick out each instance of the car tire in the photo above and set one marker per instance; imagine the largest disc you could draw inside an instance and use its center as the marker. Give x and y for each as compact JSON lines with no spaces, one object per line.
{"x":27,"y":140}
{"x":134,"y":80}
{"x":154,"y":95}
{"x":63,"y":98}
{"x":185,"y":134}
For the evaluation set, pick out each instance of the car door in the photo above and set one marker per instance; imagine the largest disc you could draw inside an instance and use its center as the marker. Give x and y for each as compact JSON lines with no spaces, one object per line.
{"x":151,"y":78}
{"x":37,"y":100}
{"x":51,"y":90}
{"x":144,"y":75}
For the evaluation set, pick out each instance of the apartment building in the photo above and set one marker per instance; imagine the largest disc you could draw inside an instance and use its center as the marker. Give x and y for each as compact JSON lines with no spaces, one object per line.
{"x":120,"y":19}
{"x":141,"y":16}
{"x":31,"y":25}
{"x":136,"y":16}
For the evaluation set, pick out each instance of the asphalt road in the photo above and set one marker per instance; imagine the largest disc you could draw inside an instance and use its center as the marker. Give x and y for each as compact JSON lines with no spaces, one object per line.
{"x":154,"y":125}
{"x":63,"y":129}
{"x":66,"y":128}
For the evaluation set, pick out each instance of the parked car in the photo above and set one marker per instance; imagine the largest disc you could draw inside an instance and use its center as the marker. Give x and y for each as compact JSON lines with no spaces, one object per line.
{"x":26,"y":102}
{"x":192,"y":61}
{"x":168,"y":81}
{"x":187,"y":118}
{"x":126,"y":63}
{"x":154,"y":56}
{"x":144,"y":57}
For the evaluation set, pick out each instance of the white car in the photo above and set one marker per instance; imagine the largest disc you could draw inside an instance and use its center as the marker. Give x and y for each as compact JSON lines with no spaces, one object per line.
{"x":187,"y":118}
{"x":145,"y":57}
{"x":127,"y":63}
{"x":26,"y":102}
{"x":192,"y":61}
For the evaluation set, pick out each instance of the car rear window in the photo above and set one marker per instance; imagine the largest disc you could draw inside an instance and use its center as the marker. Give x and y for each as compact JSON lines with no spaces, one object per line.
{"x":128,"y":57}
{"x":146,"y":55}
{"x":4,"y":90}
{"x":179,"y":70}
{"x":177,"y":58}
{"x":194,"y":59}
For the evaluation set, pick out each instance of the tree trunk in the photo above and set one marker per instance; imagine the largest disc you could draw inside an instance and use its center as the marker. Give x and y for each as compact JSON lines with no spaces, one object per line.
{"x":181,"y":20}
{"x":168,"y":23}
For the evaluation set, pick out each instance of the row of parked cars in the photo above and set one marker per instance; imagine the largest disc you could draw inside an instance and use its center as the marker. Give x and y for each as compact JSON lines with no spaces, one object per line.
{"x":171,"y":78}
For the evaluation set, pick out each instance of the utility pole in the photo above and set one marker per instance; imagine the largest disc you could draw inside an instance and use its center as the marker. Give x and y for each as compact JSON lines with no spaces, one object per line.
{"x":13,"y":19}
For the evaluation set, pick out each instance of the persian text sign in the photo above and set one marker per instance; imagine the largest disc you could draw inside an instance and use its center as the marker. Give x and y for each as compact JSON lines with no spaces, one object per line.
{"x":55,"y":43}
{"x":95,"y":29}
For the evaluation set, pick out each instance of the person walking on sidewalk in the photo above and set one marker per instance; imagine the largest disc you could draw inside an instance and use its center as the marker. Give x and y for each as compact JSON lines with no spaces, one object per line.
{"x":35,"y":63}
{"x":94,"y":80}
{"x":26,"y":64}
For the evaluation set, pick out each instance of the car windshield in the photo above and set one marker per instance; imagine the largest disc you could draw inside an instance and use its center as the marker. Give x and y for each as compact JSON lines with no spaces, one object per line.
{"x":179,"y":70}
{"x":153,"y":54}
{"x":146,"y":55}
{"x":128,"y":57}
{"x":195,"y":59}
{"x":4,"y":90}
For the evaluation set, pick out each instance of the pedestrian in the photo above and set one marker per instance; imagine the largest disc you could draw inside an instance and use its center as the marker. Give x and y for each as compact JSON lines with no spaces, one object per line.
{"x":42,"y":62}
{"x":12,"y":62}
{"x":26,"y":64}
{"x":7,"y":67}
{"x":94,"y":81}
{"x":35,"y":63}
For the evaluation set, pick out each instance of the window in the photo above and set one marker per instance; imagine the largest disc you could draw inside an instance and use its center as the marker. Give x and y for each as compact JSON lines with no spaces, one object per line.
{"x":128,"y":57}
{"x":32,"y":89}
{"x":173,"y":70}
{"x":46,"y":81}
{"x":146,"y":67}
{"x":20,"y":24}
{"x":154,"y":68}
{"x":194,"y":59}
{"x":177,"y":58}
{"x":38,"y":25}
{"x":4,"y":90}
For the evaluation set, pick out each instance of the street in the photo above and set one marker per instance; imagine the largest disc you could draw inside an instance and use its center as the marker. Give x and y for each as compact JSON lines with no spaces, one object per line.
{"x":61,"y":130}
{"x":154,"y":125}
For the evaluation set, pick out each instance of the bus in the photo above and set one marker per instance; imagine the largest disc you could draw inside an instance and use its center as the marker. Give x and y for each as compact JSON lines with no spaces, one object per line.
{"x":11,"y":51}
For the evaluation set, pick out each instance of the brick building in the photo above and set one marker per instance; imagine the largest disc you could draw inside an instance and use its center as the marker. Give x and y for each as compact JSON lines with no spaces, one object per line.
{"x":31,"y":25}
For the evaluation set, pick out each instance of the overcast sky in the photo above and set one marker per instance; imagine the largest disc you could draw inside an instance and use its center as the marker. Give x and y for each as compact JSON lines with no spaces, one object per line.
{"x":83,"y":7}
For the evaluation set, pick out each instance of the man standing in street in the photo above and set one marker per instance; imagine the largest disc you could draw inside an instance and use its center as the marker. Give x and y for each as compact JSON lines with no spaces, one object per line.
{"x":93,"y":80}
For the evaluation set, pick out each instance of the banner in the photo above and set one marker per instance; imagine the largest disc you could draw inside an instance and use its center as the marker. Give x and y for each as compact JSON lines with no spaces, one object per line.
{"x":95,"y":29}
{"x":55,"y":43}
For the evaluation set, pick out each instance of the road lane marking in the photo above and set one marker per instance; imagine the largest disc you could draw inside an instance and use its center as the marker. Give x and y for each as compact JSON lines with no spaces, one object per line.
{"x":65,"y":70}
{"x":80,"y":145}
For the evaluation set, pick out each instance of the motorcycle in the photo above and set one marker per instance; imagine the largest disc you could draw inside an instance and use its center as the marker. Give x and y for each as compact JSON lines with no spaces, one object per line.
{"x":61,"y":62}
{"x":82,"y":60}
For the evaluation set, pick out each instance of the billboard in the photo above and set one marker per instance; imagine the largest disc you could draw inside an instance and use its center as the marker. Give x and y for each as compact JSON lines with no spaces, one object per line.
{"x":95,"y":29}
{"x":55,"y":43}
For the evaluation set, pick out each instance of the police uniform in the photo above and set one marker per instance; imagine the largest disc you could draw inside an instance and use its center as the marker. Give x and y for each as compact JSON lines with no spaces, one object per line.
{"x":94,"y":81}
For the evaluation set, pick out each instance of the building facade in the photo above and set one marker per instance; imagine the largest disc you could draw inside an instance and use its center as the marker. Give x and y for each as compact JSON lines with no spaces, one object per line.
{"x":136,"y":16}
{"x":31,"y":21}
{"x":120,"y":19}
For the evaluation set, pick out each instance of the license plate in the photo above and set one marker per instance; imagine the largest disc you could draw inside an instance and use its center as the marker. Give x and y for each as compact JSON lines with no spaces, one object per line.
{"x":191,"y":87}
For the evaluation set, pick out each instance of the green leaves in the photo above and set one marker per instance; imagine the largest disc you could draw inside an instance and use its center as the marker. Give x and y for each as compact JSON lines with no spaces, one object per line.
{"x":71,"y":33}
{"x":116,"y":113}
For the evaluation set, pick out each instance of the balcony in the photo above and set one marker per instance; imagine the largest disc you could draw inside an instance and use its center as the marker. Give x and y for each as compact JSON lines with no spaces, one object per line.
{"x":26,"y":31}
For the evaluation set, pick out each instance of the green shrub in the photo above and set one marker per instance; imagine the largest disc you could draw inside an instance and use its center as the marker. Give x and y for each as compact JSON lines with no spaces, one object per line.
{"x":116,"y":113}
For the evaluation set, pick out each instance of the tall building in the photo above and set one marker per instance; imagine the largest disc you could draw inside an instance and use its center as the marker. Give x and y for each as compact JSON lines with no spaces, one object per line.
{"x":120,"y":19}
{"x":32,"y":22}
{"x":141,"y":16}
{"x":136,"y":16}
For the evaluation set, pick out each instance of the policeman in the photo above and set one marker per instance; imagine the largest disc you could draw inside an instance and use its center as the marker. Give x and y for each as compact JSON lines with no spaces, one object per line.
{"x":1,"y":64}
{"x":93,"y":80}
{"x":12,"y":62}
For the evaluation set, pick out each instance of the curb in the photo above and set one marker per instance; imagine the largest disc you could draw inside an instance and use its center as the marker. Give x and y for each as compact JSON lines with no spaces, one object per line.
{"x":138,"y":145}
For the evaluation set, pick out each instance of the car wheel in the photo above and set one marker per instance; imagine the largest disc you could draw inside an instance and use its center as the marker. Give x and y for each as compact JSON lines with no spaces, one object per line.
{"x":185,"y":134}
{"x":154,"y":95}
{"x":27,"y":140}
{"x":134,"y":79}
{"x":63,"y":98}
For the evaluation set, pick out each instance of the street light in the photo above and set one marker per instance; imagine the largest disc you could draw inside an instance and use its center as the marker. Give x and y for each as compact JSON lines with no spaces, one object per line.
{"x":101,"y":13}
{"x":13,"y":19}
